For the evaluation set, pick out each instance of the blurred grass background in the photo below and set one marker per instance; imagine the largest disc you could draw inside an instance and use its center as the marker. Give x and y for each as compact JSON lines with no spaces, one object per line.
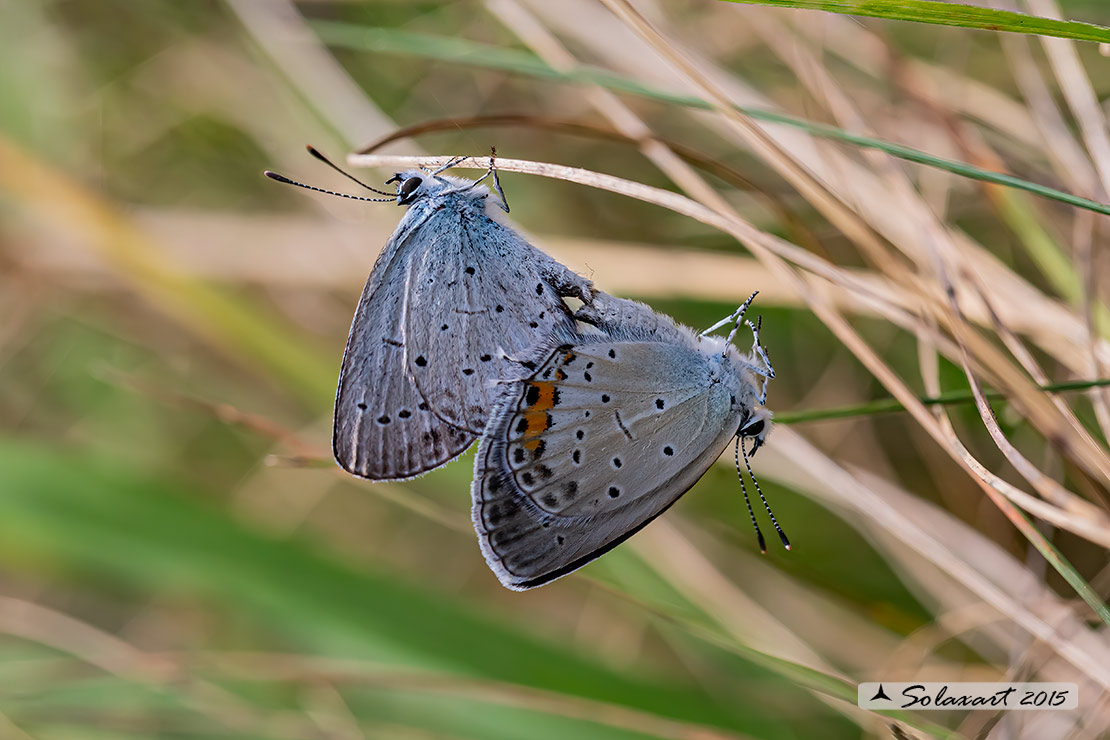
{"x":178,"y":557}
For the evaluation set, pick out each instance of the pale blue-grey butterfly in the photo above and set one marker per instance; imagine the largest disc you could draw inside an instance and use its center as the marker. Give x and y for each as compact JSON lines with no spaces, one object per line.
{"x":605,"y":431}
{"x":453,"y":294}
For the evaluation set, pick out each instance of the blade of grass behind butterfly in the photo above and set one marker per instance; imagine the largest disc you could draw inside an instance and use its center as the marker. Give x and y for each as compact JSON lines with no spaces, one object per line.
{"x":890,"y":405}
{"x":630,"y":576}
{"x":94,"y":517}
{"x":743,"y":231}
{"x":391,"y":41}
{"x":949,"y":14}
{"x":790,"y":217}
{"x":227,"y":321}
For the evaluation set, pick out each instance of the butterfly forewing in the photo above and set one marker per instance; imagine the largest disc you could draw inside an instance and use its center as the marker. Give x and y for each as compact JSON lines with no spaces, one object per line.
{"x":450,"y":294}
{"x":384,"y":429}
{"x":481,"y":295}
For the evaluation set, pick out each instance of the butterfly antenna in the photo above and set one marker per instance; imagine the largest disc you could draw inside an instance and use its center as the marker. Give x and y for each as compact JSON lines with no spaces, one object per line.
{"x":735,"y":316}
{"x":315,"y":152}
{"x":740,"y":317}
{"x":287,"y":181}
{"x":782,"y":535}
{"x":747,"y":501}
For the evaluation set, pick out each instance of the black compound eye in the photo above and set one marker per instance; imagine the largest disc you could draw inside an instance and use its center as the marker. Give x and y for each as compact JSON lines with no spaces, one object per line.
{"x":753,"y":430}
{"x":409,"y":186}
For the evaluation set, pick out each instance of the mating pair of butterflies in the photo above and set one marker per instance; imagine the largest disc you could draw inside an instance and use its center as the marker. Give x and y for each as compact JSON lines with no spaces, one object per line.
{"x":591,"y":422}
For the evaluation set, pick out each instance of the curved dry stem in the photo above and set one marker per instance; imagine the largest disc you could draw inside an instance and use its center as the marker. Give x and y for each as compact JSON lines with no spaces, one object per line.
{"x":774,"y":252}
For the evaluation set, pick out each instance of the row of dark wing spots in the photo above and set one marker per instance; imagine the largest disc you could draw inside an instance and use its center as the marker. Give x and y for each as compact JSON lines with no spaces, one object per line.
{"x":668,"y":451}
{"x":576,"y":456}
{"x":470,"y":271}
{"x":542,"y":470}
{"x":559,"y":374}
{"x":614,"y":492}
{"x":384,"y":418}
{"x":421,"y":361}
{"x":443,"y":328}
{"x":613,"y":354}
{"x":431,"y":437}
{"x":617,"y":463}
{"x":520,"y":455}
{"x":503,"y":509}
{"x":605,"y":398}
{"x":522,"y":425}
{"x":539,"y":288}
{"x":659,"y":404}
{"x":580,"y":434}
{"x":468,"y":371}
{"x":499,"y":308}
{"x":485,"y":358}
{"x":586,"y":376}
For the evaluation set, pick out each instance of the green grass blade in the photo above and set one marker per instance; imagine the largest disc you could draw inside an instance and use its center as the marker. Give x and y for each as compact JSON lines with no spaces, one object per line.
{"x":889,"y":405}
{"x":461,"y":51}
{"x":949,"y":14}
{"x":97,"y":519}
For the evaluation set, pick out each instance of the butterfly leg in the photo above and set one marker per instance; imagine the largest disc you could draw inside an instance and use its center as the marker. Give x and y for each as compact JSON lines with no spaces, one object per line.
{"x":567,"y":283}
{"x":757,"y":345}
{"x":450,"y":163}
{"x":496,"y":181}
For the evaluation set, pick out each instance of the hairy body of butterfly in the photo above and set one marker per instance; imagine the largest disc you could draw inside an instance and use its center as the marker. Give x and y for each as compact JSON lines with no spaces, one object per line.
{"x":608,"y":431}
{"x":452,"y":293}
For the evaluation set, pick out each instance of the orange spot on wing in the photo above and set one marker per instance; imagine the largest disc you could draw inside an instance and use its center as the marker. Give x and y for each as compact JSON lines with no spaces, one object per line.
{"x":536,"y":417}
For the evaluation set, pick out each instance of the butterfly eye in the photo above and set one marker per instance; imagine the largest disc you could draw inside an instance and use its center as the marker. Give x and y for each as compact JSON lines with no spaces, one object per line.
{"x":754,"y":429}
{"x":409,"y":186}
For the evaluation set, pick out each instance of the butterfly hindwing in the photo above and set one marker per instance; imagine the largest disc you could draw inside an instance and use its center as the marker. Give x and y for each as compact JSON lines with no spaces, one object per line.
{"x":606,"y":433}
{"x":451,"y":293}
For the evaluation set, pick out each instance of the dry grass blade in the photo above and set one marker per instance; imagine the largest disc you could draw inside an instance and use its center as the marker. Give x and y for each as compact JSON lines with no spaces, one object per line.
{"x":1039,"y":410}
{"x":812,"y":470}
{"x":764,"y":246}
{"x":107,"y":652}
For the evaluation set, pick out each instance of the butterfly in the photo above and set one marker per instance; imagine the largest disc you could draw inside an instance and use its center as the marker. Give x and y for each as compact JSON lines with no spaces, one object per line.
{"x":605,"y":431}
{"x":452,"y":296}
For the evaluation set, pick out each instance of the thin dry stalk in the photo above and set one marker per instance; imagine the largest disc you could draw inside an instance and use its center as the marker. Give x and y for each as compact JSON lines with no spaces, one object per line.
{"x":1077,"y":90}
{"x":773,"y":251}
{"x":1039,"y":411}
